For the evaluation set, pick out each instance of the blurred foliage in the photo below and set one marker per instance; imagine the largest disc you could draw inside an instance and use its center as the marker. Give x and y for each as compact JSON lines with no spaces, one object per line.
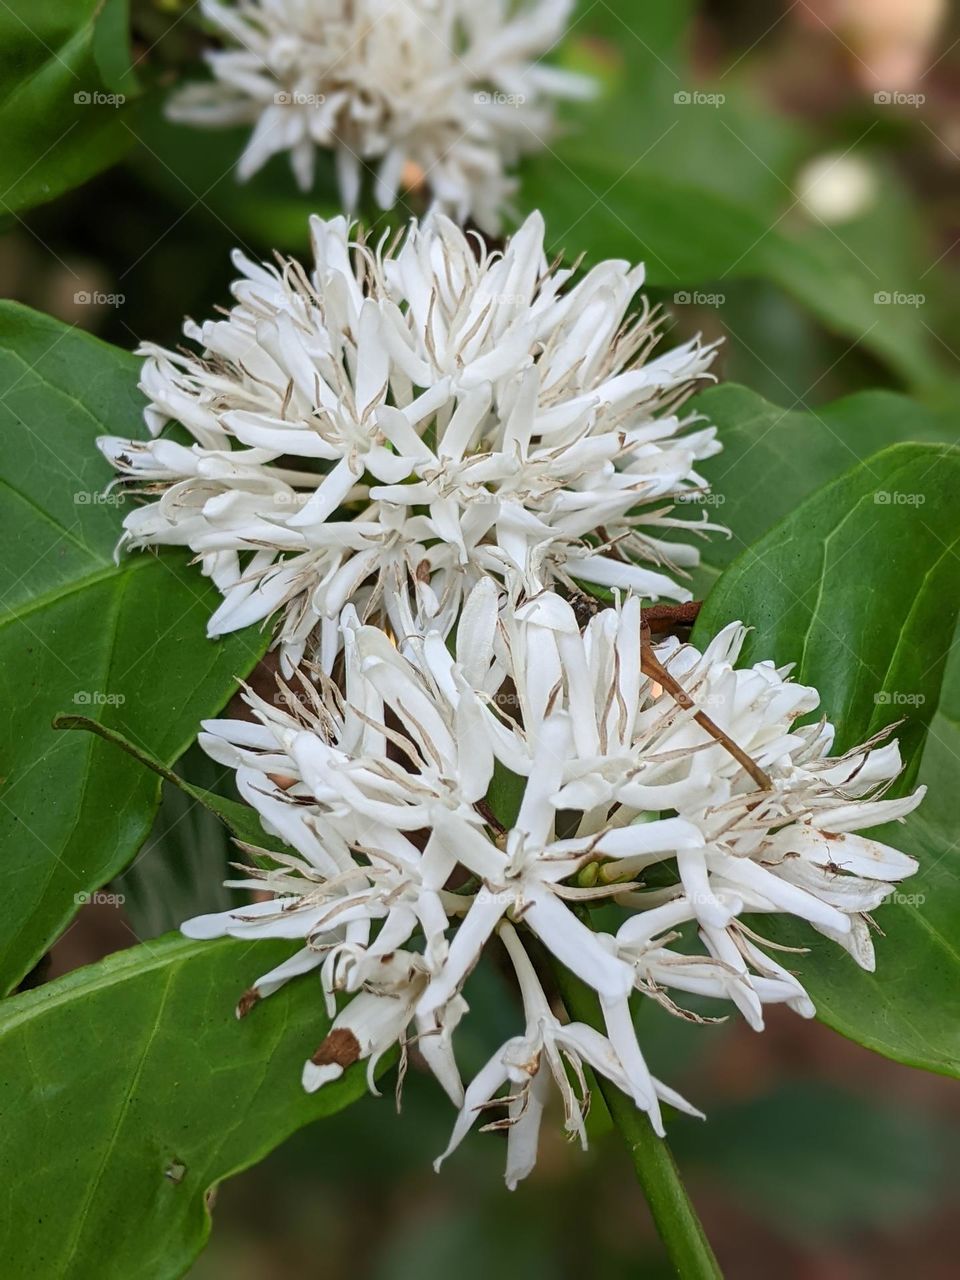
{"x":692,"y":175}
{"x":70,"y":62}
{"x":182,"y":866}
{"x":816,"y":1159}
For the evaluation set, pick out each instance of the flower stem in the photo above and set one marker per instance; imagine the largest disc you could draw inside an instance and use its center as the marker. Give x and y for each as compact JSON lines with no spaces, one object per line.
{"x":673,"y":1213}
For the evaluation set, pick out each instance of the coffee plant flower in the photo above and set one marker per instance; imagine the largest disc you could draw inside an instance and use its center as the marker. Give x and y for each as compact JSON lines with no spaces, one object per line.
{"x":687,"y":798}
{"x":447,"y":93}
{"x":407,"y":419}
{"x":404,"y":604}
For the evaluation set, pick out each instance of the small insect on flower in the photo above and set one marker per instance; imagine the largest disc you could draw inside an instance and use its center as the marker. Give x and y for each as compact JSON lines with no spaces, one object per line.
{"x":442,"y":93}
{"x":401,"y":874}
{"x":408,"y":419}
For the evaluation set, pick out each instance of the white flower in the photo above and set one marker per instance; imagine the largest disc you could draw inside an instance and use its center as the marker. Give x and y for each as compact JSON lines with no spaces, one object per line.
{"x":546,"y":1050}
{"x":792,"y":848}
{"x":788,"y":848}
{"x":400,"y":424}
{"x":447,"y":91}
{"x":380,"y":793}
{"x":401,"y":870}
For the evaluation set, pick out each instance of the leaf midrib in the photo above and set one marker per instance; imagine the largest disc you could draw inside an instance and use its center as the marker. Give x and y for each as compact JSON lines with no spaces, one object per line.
{"x":54,"y":597}
{"x":123,"y":966}
{"x":122,"y":1112}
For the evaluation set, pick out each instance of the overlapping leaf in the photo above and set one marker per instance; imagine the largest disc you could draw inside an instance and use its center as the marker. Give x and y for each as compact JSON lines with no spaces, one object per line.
{"x":124,"y":643}
{"x":698,"y":181}
{"x":860,"y":587}
{"x":773,"y":457}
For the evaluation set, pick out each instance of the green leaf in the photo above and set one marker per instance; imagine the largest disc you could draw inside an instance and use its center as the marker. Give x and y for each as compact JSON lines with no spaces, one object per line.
{"x":181,"y":869}
{"x":241,"y":820}
{"x":638,"y":55}
{"x":129,"y":1090}
{"x":65,"y":68}
{"x":688,"y":235}
{"x":123,"y":643}
{"x":860,"y":587}
{"x":910,"y":1010}
{"x":774,"y":458}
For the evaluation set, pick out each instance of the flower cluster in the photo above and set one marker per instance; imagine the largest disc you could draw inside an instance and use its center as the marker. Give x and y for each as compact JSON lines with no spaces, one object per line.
{"x":406,"y":420}
{"x":405,"y":862}
{"x":444,"y":92}
{"x":415,"y":454}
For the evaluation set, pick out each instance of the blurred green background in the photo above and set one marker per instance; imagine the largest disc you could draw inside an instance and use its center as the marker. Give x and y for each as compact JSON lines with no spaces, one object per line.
{"x":820,"y":1161}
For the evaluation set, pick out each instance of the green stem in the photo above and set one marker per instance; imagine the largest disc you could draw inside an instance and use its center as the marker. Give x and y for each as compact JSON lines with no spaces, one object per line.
{"x":673,"y":1213}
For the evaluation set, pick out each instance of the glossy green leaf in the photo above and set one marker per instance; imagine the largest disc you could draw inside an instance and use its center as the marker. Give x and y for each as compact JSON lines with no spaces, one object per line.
{"x":911,"y":1009}
{"x":65,"y":68}
{"x":129,"y":1089}
{"x":773,"y":458}
{"x":125,"y":643}
{"x":860,"y":587}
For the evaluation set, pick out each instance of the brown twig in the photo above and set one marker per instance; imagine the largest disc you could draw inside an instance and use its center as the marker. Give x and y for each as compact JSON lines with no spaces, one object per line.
{"x":661,"y":619}
{"x":651,"y":666}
